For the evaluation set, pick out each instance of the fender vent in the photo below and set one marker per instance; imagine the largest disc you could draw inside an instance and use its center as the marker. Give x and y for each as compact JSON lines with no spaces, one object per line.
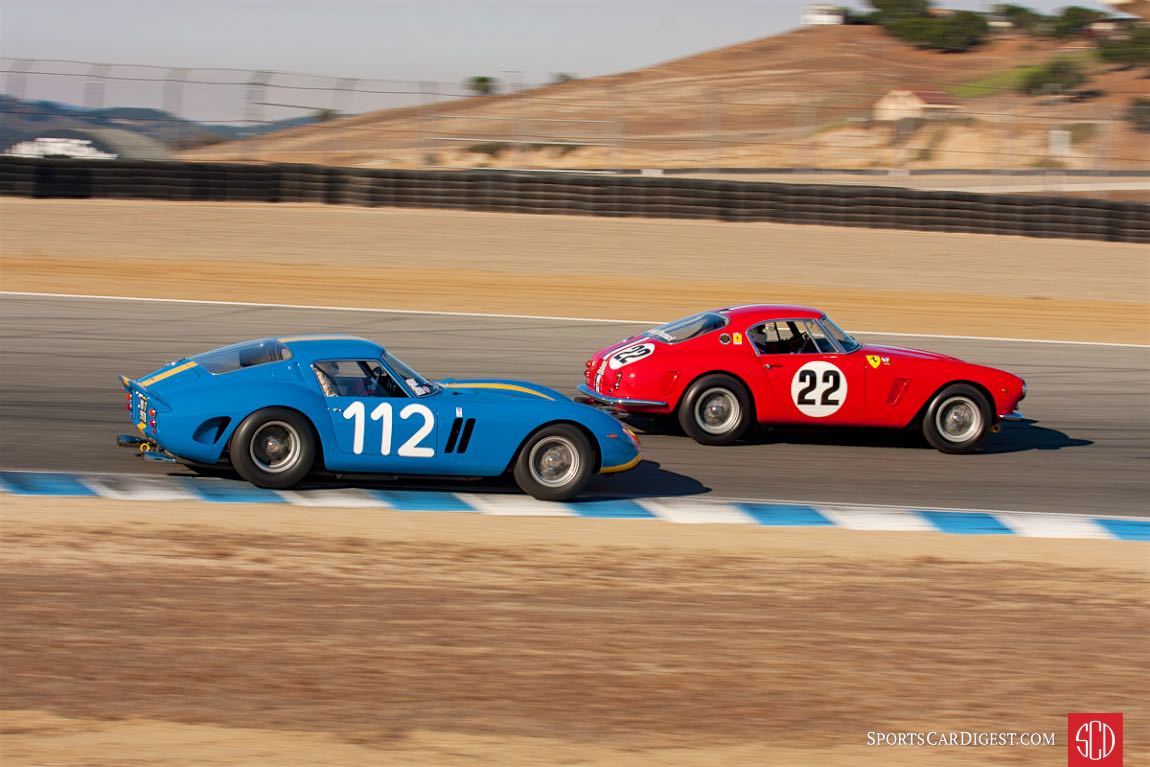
{"x":897,"y":389}
{"x":454,"y":435}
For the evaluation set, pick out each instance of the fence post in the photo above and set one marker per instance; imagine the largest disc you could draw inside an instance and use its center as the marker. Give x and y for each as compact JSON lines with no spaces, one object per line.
{"x":253,"y":106}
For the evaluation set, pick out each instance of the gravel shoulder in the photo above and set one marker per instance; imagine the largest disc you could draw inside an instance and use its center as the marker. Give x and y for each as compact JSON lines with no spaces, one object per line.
{"x":913,"y":282}
{"x":185,"y":634}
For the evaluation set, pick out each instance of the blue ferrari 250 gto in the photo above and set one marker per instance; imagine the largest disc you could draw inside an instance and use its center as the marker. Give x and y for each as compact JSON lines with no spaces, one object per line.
{"x":276,"y":409}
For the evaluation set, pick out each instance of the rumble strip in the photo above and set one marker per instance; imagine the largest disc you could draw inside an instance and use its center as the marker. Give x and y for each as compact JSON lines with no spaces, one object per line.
{"x":128,"y":487}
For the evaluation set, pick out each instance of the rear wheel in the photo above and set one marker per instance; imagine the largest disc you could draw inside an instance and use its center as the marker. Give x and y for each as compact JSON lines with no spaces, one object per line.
{"x":958,"y":419}
{"x":716,"y":410}
{"x":555,"y":463}
{"x":273,"y":448}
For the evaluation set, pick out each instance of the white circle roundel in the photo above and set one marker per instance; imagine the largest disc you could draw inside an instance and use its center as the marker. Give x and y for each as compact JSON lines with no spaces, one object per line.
{"x":819,"y":389}
{"x":629,"y":354}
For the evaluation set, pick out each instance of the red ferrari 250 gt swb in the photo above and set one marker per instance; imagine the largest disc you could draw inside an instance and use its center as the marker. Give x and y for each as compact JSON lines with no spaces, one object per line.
{"x":720,"y":371}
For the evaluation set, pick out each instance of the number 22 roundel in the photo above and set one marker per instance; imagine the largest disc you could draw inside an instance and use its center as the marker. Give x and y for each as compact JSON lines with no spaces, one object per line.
{"x":819,"y":389}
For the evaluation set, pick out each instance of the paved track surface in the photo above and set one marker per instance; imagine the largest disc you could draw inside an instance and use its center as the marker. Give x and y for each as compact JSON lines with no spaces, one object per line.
{"x":1085,"y":450}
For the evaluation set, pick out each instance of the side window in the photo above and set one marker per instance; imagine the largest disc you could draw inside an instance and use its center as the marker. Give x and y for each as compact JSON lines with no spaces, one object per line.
{"x":790,"y":337}
{"x":817,"y":341}
{"x":774,"y":338}
{"x":355,"y":378}
{"x":782,"y":337}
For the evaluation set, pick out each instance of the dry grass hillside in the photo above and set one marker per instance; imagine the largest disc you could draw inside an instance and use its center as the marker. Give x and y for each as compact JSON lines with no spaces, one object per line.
{"x":798,"y":99}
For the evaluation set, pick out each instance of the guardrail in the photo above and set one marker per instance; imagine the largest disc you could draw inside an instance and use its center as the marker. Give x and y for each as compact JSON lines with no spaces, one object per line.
{"x":593,"y":195}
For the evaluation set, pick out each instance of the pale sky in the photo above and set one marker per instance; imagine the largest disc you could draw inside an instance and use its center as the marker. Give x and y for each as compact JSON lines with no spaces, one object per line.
{"x":439,"y":40}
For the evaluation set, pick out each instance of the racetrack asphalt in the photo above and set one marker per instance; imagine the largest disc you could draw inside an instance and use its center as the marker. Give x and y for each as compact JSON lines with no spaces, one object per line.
{"x":1083,"y":448}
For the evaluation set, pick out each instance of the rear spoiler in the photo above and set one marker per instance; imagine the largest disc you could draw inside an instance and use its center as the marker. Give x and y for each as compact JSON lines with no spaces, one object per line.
{"x":131,"y":384}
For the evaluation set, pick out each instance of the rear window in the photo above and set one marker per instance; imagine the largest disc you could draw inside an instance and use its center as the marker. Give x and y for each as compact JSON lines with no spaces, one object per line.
{"x":689,"y":327}
{"x":245,"y":355}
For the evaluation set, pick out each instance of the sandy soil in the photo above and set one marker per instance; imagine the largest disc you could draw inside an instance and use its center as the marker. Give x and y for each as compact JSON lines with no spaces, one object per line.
{"x":179,"y":634}
{"x":582,"y":266}
{"x":790,"y":100}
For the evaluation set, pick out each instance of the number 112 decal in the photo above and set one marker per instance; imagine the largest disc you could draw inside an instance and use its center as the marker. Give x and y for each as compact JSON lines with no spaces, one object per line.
{"x":383,"y":413}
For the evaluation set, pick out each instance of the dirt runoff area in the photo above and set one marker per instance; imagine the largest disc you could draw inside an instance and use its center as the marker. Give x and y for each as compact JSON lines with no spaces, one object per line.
{"x":182,"y":634}
{"x":642,"y":269}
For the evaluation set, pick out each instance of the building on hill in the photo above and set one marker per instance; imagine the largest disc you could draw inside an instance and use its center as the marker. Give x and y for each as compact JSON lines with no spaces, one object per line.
{"x":820,"y":15}
{"x":919,"y":105}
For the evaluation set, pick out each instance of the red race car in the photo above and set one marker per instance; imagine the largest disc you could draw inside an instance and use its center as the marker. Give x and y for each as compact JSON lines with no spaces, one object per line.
{"x":719,"y":371}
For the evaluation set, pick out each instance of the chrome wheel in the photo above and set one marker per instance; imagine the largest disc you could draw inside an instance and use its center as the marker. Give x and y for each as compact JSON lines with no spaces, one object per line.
{"x":275,"y":447}
{"x":554,"y":461}
{"x":958,"y":419}
{"x":717,"y":411}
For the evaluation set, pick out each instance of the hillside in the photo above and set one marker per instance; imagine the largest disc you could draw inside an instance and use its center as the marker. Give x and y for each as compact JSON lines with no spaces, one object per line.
{"x":24,"y":120}
{"x":802,"y":98}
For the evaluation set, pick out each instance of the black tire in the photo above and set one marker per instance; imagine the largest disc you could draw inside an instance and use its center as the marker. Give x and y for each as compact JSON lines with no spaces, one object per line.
{"x":958,"y":419}
{"x":555,"y":463}
{"x":273,"y":448}
{"x":716,"y":410}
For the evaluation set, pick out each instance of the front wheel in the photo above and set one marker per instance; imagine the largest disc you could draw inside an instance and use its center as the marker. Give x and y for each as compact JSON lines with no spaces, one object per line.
{"x":957,"y":420}
{"x":273,"y":448}
{"x":716,"y":410}
{"x":555,"y":464}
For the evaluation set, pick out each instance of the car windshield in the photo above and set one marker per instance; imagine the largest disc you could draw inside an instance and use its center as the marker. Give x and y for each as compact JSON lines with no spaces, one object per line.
{"x":845,"y":341}
{"x":689,"y":327}
{"x":419,"y":385}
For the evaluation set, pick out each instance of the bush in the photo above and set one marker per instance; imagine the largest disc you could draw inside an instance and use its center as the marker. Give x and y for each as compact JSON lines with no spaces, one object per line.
{"x":1134,"y":51}
{"x":490,"y":148}
{"x":1023,"y":18}
{"x":1139,"y":115}
{"x":909,"y":21}
{"x":1074,"y":20}
{"x":1057,"y":76}
{"x":482,"y":85}
{"x":960,"y":32}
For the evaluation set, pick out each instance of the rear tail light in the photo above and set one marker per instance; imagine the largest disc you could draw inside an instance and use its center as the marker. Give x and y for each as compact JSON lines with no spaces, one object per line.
{"x":127,"y":400}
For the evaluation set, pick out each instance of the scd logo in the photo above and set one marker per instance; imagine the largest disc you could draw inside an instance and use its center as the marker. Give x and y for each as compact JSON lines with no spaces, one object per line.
{"x":1094,"y":740}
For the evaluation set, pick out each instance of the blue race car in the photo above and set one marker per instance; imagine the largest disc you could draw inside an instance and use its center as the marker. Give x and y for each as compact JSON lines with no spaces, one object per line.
{"x":276,"y":409}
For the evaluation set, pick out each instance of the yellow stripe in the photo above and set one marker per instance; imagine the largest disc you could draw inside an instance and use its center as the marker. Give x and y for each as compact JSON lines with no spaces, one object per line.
{"x":508,"y":387}
{"x":167,"y":374}
{"x":289,"y":339}
{"x":623,"y":466}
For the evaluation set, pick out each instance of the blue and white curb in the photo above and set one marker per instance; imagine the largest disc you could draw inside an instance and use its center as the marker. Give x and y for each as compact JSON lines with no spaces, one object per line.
{"x":126,"y":487}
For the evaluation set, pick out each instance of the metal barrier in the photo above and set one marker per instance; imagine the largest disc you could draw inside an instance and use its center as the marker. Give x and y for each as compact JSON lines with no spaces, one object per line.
{"x":593,"y":195}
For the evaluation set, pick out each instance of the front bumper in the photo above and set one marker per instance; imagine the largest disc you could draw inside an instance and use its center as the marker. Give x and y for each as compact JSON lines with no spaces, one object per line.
{"x":606,"y":399}
{"x":1014,"y":415}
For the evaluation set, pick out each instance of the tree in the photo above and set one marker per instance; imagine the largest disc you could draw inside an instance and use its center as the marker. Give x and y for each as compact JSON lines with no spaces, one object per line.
{"x":1074,"y":20}
{"x":563,"y":77}
{"x":1057,"y":76}
{"x":482,"y":85}
{"x":1023,"y":18}
{"x":960,"y":32}
{"x":1139,"y":115}
{"x":893,"y":9}
{"x":1133,"y":51}
{"x":910,"y":20}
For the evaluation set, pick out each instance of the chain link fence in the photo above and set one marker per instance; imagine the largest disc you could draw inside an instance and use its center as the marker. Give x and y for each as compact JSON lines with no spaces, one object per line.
{"x":603,"y":124}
